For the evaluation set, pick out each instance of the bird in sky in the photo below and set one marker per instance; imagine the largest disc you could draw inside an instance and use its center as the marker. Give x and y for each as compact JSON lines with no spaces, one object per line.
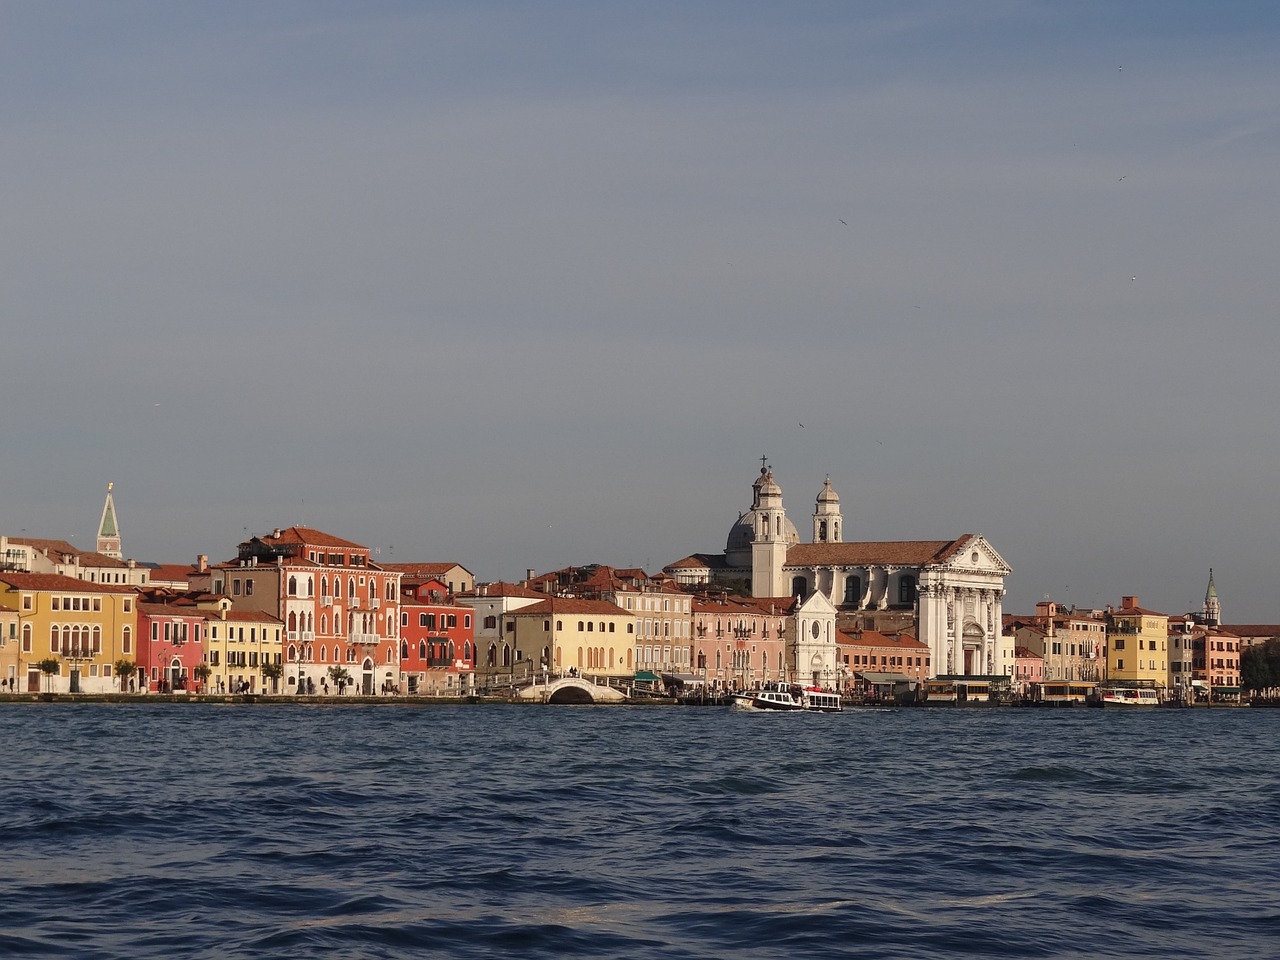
{"x":1122,"y":178}
{"x":842,"y":221}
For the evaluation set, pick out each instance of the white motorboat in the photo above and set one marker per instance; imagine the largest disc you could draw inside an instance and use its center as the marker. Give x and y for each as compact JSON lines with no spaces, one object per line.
{"x":1130,"y":697}
{"x":783,"y":696}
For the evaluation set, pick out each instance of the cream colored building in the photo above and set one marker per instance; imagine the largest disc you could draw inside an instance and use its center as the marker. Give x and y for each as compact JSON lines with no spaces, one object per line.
{"x":238,"y":645}
{"x":593,"y":637}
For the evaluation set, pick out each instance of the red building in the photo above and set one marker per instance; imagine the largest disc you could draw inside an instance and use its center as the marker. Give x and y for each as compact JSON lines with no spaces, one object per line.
{"x":170,"y":646}
{"x":340,"y":609}
{"x":437,"y":641}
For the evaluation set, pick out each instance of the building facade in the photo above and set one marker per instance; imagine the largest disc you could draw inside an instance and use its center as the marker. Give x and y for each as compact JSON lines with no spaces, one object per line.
{"x":951,"y":591}
{"x":341,"y":611}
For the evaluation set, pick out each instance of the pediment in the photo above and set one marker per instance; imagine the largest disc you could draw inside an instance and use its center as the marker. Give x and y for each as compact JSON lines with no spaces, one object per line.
{"x":975,"y":554}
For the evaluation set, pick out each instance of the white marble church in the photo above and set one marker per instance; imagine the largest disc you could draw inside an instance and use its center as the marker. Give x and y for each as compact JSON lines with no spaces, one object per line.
{"x":953,"y":589}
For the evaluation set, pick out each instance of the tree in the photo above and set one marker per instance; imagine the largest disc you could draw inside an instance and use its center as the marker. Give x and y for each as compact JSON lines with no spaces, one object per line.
{"x":49,"y":666}
{"x":124,"y":670}
{"x":1260,"y":666}
{"x":201,"y":672}
{"x":340,"y":677}
{"x":272,"y":672}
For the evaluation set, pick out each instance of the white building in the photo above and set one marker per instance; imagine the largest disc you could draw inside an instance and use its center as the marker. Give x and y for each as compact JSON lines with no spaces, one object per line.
{"x":953,"y":589}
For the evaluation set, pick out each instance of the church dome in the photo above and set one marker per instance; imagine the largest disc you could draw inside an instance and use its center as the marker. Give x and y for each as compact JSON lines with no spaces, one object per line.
{"x":827,"y":495}
{"x":737,"y":549}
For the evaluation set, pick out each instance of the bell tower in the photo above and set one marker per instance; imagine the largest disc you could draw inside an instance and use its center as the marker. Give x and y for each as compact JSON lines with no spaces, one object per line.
{"x":826,"y":516}
{"x":1212,"y":610}
{"x":769,"y":546}
{"x":109,"y":529}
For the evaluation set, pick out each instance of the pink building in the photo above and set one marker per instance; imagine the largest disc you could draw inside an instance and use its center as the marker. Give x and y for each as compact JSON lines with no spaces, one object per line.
{"x":1028,"y":669}
{"x":170,"y":646}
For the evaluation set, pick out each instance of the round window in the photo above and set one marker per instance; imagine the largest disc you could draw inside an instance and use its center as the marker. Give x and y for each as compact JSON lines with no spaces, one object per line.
{"x":816,"y":630}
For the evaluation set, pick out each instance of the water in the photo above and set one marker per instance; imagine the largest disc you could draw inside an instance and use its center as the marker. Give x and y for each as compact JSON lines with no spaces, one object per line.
{"x":303,"y":831}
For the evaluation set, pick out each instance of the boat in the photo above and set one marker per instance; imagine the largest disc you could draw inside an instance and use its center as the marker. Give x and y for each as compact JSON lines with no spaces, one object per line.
{"x":771,"y":696}
{"x":1065,"y":693}
{"x":789,"y":697}
{"x":821,"y":701}
{"x":1130,"y":697}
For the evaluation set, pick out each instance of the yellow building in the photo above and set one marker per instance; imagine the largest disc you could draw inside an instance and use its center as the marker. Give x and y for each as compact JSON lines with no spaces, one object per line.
{"x":238,"y":644}
{"x":85,"y":627}
{"x":9,"y":650}
{"x":595,"y":637}
{"x":1137,"y":645}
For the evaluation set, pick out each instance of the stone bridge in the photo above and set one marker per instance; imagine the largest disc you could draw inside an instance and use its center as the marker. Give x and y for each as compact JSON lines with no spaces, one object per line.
{"x":571,"y":690}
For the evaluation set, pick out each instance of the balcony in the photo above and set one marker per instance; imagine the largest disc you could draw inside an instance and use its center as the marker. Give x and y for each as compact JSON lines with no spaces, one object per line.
{"x":365,"y":638}
{"x":354,"y":603}
{"x":308,"y":636}
{"x":374,"y":603}
{"x":326,"y":601}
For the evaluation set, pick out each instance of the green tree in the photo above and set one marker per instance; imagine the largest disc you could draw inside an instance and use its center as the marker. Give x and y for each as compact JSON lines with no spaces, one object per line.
{"x":1260,"y":666}
{"x":49,"y":666}
{"x":124,"y":670}
{"x":272,"y":672}
{"x":201,"y":672}
{"x":339,"y":676}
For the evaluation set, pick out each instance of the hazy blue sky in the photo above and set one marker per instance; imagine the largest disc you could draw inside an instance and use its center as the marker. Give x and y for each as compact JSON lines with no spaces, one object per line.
{"x":523,"y":285}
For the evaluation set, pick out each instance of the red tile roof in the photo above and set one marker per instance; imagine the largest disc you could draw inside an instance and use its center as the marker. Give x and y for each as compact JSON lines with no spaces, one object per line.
{"x":53,"y":581}
{"x":421,"y":569}
{"x":503,"y":589}
{"x":890,"y":552}
{"x":571,"y":605}
{"x":310,"y":537}
{"x":872,"y":638}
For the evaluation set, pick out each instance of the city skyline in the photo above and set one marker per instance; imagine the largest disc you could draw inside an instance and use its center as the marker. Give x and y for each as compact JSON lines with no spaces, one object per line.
{"x":529,"y":287}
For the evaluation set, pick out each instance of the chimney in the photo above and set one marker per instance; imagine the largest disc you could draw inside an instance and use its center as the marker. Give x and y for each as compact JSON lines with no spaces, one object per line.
{"x":528,"y":576}
{"x":1128,"y":603}
{"x":202,"y":563}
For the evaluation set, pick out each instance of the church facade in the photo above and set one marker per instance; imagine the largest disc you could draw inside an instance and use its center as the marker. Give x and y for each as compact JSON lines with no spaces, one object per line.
{"x":951,"y":591}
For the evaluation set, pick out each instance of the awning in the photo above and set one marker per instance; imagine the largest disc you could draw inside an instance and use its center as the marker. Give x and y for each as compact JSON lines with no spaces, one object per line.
{"x":647,"y":676}
{"x":683,"y":679}
{"x":883,"y":677}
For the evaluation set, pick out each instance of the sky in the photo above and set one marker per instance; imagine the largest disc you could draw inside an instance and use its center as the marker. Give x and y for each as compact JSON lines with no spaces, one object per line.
{"x":523,"y":285}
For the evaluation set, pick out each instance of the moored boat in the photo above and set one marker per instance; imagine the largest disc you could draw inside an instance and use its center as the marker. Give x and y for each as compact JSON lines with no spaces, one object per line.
{"x":1130,"y":697}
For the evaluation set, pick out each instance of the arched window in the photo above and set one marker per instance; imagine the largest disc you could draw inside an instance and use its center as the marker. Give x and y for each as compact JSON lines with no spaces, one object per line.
{"x":292,"y":653}
{"x":373,"y":589}
{"x":293,"y":586}
{"x":422,"y":650}
{"x":579,"y":658}
{"x":799,"y":587}
{"x":506,"y":654}
{"x":26,"y":638}
{"x":560,"y":625}
{"x":97,"y":639}
{"x":852,"y":590}
{"x":466,"y":651}
{"x":466,"y":619}
{"x":324,"y":655}
{"x":591,"y":626}
{"x":54,"y":645}
{"x":311,"y":586}
{"x":337,"y":587}
{"x":451,"y":654}
{"x":324,"y":586}
{"x":351,"y":586}
{"x":293,"y":622}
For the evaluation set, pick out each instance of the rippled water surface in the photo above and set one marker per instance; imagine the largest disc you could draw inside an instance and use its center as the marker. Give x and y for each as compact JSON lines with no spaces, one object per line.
{"x":305,"y":831}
